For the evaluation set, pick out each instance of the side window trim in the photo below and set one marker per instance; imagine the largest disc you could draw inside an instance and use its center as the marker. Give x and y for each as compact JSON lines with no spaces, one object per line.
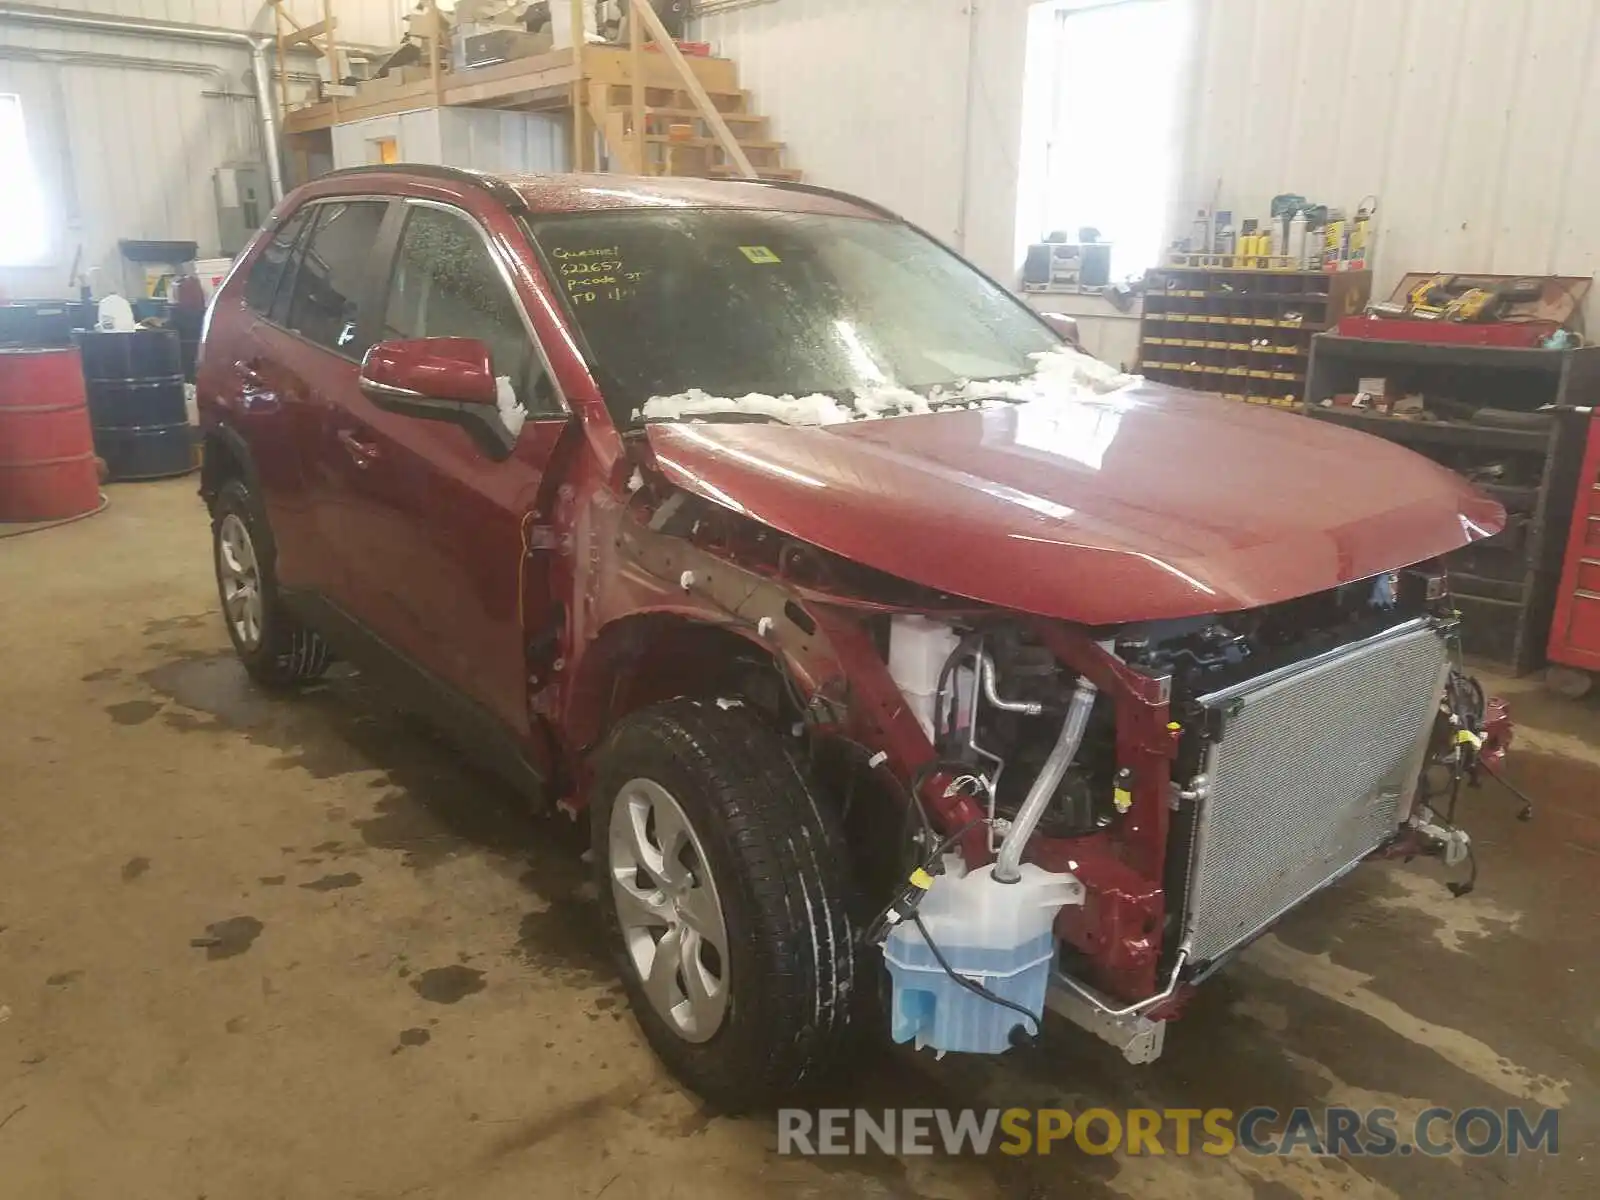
{"x":277,"y":314}
{"x":380,"y":275}
{"x":301,"y":213}
{"x":392,"y":258}
{"x":374,"y":282}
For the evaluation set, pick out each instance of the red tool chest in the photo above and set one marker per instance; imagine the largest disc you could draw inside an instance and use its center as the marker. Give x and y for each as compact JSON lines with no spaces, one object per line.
{"x":1575,"y":631}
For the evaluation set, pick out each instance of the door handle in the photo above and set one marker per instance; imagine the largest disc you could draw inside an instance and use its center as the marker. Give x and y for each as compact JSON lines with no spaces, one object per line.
{"x":249,"y":369}
{"x":363,"y":454}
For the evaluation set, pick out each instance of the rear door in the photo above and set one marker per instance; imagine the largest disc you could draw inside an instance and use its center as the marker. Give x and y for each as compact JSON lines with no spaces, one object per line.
{"x":236,"y":372}
{"x":435,"y":543}
{"x":321,"y":322}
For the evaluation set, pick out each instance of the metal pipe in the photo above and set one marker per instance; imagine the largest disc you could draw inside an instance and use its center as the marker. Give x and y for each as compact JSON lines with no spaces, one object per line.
{"x":969,"y":102}
{"x":19,"y":14}
{"x":1138,"y":1006}
{"x":269,"y":119}
{"x":986,"y":671}
{"x":94,"y":58}
{"x":1045,"y":783}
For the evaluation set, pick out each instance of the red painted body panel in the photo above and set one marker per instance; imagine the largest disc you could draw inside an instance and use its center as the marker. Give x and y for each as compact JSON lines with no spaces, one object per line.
{"x":445,"y":368}
{"x":1147,"y":503}
{"x":1575,"y":628}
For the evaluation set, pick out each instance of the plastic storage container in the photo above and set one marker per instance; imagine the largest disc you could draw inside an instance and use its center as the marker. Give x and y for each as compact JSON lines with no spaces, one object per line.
{"x":996,"y":934}
{"x":918,"y":650}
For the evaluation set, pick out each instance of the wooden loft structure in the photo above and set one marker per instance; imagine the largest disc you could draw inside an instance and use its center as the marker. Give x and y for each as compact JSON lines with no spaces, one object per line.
{"x":644,"y":108}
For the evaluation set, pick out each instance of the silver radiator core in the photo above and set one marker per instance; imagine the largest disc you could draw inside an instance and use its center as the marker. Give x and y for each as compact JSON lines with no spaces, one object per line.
{"x":1314,"y":769}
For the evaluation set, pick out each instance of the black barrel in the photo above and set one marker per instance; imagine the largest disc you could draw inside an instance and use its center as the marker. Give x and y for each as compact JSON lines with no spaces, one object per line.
{"x":35,"y":323}
{"x":135,"y":384}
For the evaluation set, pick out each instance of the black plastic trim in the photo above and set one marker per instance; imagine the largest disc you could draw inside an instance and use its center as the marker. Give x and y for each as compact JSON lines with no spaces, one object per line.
{"x":228,"y":436}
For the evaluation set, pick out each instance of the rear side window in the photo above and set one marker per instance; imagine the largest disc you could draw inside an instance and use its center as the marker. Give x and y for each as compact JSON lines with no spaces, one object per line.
{"x":331,"y":279}
{"x":262,"y":282}
{"x":446,"y":284}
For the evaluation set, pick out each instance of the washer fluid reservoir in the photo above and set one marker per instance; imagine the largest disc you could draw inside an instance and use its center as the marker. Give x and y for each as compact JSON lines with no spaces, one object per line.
{"x":997,"y":934}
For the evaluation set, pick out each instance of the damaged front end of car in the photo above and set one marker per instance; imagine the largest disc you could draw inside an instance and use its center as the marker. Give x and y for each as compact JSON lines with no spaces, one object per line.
{"x":1197,"y":778}
{"x":1082,"y":818}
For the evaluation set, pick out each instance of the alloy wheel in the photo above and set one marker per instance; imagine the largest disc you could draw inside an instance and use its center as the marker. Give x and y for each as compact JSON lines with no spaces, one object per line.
{"x":669,"y":910}
{"x":240,"y":575}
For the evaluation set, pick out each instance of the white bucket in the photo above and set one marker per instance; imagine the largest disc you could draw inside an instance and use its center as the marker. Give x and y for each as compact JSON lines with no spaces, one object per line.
{"x":212,"y":271}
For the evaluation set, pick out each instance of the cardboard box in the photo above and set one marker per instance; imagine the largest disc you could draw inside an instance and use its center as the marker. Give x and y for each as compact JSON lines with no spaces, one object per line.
{"x":1372,"y":391}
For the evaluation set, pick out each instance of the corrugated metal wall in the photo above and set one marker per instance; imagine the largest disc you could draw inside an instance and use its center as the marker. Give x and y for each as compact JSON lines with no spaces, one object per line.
{"x":488,"y":140}
{"x":872,"y":96}
{"x":1476,"y":122}
{"x":126,"y":131}
{"x":869,"y":97}
{"x":125,"y":135}
{"x":480,"y":138}
{"x":364,"y":22}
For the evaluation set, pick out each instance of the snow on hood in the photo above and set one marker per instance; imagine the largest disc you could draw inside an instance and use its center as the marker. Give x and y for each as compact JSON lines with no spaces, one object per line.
{"x":1062,"y":373}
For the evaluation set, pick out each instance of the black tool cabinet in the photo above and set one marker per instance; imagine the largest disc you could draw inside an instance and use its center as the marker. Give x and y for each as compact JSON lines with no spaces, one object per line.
{"x":1505,"y":586}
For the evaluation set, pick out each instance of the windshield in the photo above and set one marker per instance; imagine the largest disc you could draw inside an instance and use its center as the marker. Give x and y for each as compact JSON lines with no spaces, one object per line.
{"x":713,"y":303}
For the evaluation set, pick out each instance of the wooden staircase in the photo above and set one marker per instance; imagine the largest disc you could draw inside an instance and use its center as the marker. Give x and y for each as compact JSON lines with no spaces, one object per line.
{"x":678,"y":138}
{"x":661,"y":112}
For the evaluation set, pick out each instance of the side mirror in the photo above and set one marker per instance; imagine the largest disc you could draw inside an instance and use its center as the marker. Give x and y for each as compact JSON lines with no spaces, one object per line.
{"x":439,"y":379}
{"x":1066,"y":326}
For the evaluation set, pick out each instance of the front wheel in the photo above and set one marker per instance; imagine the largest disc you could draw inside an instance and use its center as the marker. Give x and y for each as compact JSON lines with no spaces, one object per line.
{"x":724,"y":890}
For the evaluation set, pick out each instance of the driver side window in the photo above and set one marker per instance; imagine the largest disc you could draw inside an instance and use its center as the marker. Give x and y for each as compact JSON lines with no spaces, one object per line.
{"x":445,"y":284}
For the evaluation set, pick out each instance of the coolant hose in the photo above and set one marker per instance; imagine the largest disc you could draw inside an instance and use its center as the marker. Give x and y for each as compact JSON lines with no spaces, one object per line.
{"x":1045,"y":784}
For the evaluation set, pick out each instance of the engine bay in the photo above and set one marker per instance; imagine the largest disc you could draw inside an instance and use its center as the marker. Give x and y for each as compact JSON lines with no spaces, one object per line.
{"x":999,"y":694}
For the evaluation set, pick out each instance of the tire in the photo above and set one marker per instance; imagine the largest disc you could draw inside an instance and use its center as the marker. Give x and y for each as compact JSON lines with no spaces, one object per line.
{"x":777,"y":876}
{"x":276,"y":649}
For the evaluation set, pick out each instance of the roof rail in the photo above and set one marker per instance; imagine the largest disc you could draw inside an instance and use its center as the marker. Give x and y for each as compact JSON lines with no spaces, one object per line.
{"x":493,"y":184}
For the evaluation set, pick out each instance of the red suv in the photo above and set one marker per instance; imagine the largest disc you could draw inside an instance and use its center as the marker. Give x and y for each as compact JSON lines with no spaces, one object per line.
{"x":913,"y":667}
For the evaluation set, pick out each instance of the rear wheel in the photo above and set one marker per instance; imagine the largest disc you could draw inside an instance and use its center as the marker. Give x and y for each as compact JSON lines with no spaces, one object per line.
{"x":275,"y":648}
{"x":724,"y":890}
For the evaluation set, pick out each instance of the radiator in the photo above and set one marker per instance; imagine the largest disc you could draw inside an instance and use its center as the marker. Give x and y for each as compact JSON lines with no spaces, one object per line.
{"x":1314,"y":768}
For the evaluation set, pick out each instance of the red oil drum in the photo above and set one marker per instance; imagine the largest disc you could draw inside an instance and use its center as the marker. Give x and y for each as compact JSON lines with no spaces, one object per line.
{"x":47,"y":469}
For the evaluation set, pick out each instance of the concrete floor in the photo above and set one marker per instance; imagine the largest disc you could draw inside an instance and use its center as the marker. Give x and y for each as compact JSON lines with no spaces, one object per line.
{"x":261,"y":947}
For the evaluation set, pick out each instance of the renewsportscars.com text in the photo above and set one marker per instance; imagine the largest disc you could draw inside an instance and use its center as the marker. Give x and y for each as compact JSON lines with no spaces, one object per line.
{"x":1179,"y":1131}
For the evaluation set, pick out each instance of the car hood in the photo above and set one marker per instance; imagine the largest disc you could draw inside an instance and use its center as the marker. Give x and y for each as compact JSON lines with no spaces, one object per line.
{"x":1143,"y":504}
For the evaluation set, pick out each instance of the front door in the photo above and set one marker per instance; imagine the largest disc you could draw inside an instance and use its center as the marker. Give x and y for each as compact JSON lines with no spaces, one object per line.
{"x":433,"y":539}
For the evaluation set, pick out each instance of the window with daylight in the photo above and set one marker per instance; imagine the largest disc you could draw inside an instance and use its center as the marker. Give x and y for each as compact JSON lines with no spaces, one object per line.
{"x":1101,"y":124}
{"x":24,"y":226}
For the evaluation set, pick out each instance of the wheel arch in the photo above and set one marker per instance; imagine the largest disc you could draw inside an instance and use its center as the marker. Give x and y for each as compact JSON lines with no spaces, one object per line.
{"x":646,"y":657}
{"x":225,"y":455}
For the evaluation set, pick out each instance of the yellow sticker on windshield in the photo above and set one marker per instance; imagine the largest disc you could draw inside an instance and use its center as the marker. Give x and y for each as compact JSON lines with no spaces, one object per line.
{"x":759,"y":254}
